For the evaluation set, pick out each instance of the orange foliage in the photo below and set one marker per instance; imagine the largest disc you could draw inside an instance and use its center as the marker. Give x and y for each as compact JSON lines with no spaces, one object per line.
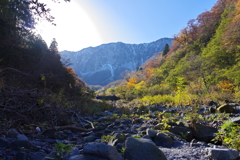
{"x":226,"y":86}
{"x":149,"y":72}
{"x":182,"y":37}
{"x":150,"y":65}
{"x":70,"y":70}
{"x":167,"y":58}
{"x":131,"y":82}
{"x":149,"y":69}
{"x":175,"y":45}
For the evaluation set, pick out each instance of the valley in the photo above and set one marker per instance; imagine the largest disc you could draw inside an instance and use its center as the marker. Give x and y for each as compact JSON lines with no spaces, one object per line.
{"x":174,"y":98}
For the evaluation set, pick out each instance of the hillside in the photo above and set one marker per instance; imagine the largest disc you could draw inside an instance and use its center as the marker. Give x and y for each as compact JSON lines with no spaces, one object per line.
{"x":201,"y":65}
{"x":35,"y":86}
{"x":105,"y":63}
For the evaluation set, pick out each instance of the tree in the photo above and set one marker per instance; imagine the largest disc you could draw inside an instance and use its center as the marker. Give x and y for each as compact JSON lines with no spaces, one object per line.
{"x":54,"y":46}
{"x":166,"y":49}
{"x":18,"y":18}
{"x":25,"y":13}
{"x":131,"y":83}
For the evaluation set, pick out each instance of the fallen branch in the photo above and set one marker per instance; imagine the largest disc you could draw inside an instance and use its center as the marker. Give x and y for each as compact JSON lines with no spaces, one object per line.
{"x":88,"y":122}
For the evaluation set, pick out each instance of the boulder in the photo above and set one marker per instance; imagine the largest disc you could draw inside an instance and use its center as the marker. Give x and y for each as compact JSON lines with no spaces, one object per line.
{"x":102,"y":150}
{"x":90,"y":138}
{"x":142,"y":149}
{"x":12,"y":133}
{"x":134,"y":127}
{"x":222,"y":154}
{"x":226,"y":108}
{"x":137,"y":120}
{"x":151,"y":133}
{"x":117,"y":121}
{"x":163,"y":140}
{"x":236,"y":120}
{"x":203,"y":133}
{"x":75,"y":152}
{"x":212,"y":103}
{"x":158,"y":127}
{"x":184,"y":132}
{"x":22,"y":137}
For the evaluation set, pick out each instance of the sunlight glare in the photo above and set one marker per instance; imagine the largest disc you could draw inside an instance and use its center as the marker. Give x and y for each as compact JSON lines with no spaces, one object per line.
{"x":75,"y":29}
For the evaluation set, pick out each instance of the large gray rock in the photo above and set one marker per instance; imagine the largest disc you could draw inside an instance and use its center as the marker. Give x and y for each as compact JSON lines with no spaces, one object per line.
{"x":12,"y":133}
{"x":22,"y":137}
{"x":222,"y":154}
{"x":184,"y":132}
{"x":163,"y":140}
{"x":203,"y":133}
{"x":90,"y":138}
{"x":75,"y":152}
{"x":151,"y":133}
{"x":142,"y":149}
{"x":102,"y":150}
{"x":236,"y":120}
{"x":103,"y":64}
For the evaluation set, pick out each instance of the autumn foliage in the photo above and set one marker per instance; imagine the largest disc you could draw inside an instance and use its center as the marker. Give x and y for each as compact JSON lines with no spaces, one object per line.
{"x":204,"y":57}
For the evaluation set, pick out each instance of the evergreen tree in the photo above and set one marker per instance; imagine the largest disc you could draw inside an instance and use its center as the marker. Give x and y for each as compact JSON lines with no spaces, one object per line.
{"x":166,"y":49}
{"x":54,"y":46}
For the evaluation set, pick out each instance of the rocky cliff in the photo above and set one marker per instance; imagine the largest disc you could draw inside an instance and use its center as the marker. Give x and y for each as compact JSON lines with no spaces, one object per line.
{"x":103,"y":64}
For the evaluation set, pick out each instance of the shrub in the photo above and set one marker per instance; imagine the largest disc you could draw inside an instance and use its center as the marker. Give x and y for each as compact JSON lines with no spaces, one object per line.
{"x":229,"y":135}
{"x":137,"y":136}
{"x":106,"y":138}
{"x":62,"y":149}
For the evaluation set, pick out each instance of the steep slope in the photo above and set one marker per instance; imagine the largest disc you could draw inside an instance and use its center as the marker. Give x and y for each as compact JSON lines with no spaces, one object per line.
{"x":103,"y":64}
{"x":202,"y":64}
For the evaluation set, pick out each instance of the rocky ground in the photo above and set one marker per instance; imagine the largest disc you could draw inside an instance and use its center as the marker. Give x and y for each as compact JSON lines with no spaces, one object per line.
{"x":116,"y":138}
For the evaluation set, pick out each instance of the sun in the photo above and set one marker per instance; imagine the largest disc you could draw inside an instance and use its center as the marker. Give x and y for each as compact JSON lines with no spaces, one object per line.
{"x":75,"y":29}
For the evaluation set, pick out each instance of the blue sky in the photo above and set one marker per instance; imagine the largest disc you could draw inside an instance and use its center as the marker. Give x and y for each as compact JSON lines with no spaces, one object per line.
{"x":84,"y":23}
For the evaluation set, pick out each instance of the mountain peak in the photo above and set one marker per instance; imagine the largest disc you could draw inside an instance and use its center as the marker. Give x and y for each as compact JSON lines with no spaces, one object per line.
{"x":103,"y":64}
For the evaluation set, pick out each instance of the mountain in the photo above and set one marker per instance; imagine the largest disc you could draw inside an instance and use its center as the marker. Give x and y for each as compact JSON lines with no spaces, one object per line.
{"x":105,"y":63}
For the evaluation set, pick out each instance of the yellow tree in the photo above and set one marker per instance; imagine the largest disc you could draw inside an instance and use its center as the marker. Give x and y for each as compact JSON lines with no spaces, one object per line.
{"x":131,"y":83}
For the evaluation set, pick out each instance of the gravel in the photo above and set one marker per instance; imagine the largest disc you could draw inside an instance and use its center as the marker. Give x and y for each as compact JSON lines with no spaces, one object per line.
{"x":181,"y":150}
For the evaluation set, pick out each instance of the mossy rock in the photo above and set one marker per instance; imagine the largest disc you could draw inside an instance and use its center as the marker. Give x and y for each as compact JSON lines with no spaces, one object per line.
{"x":226,"y":108}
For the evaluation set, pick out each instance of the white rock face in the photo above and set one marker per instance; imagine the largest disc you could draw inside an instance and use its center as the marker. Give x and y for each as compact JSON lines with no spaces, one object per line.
{"x":103,"y":64}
